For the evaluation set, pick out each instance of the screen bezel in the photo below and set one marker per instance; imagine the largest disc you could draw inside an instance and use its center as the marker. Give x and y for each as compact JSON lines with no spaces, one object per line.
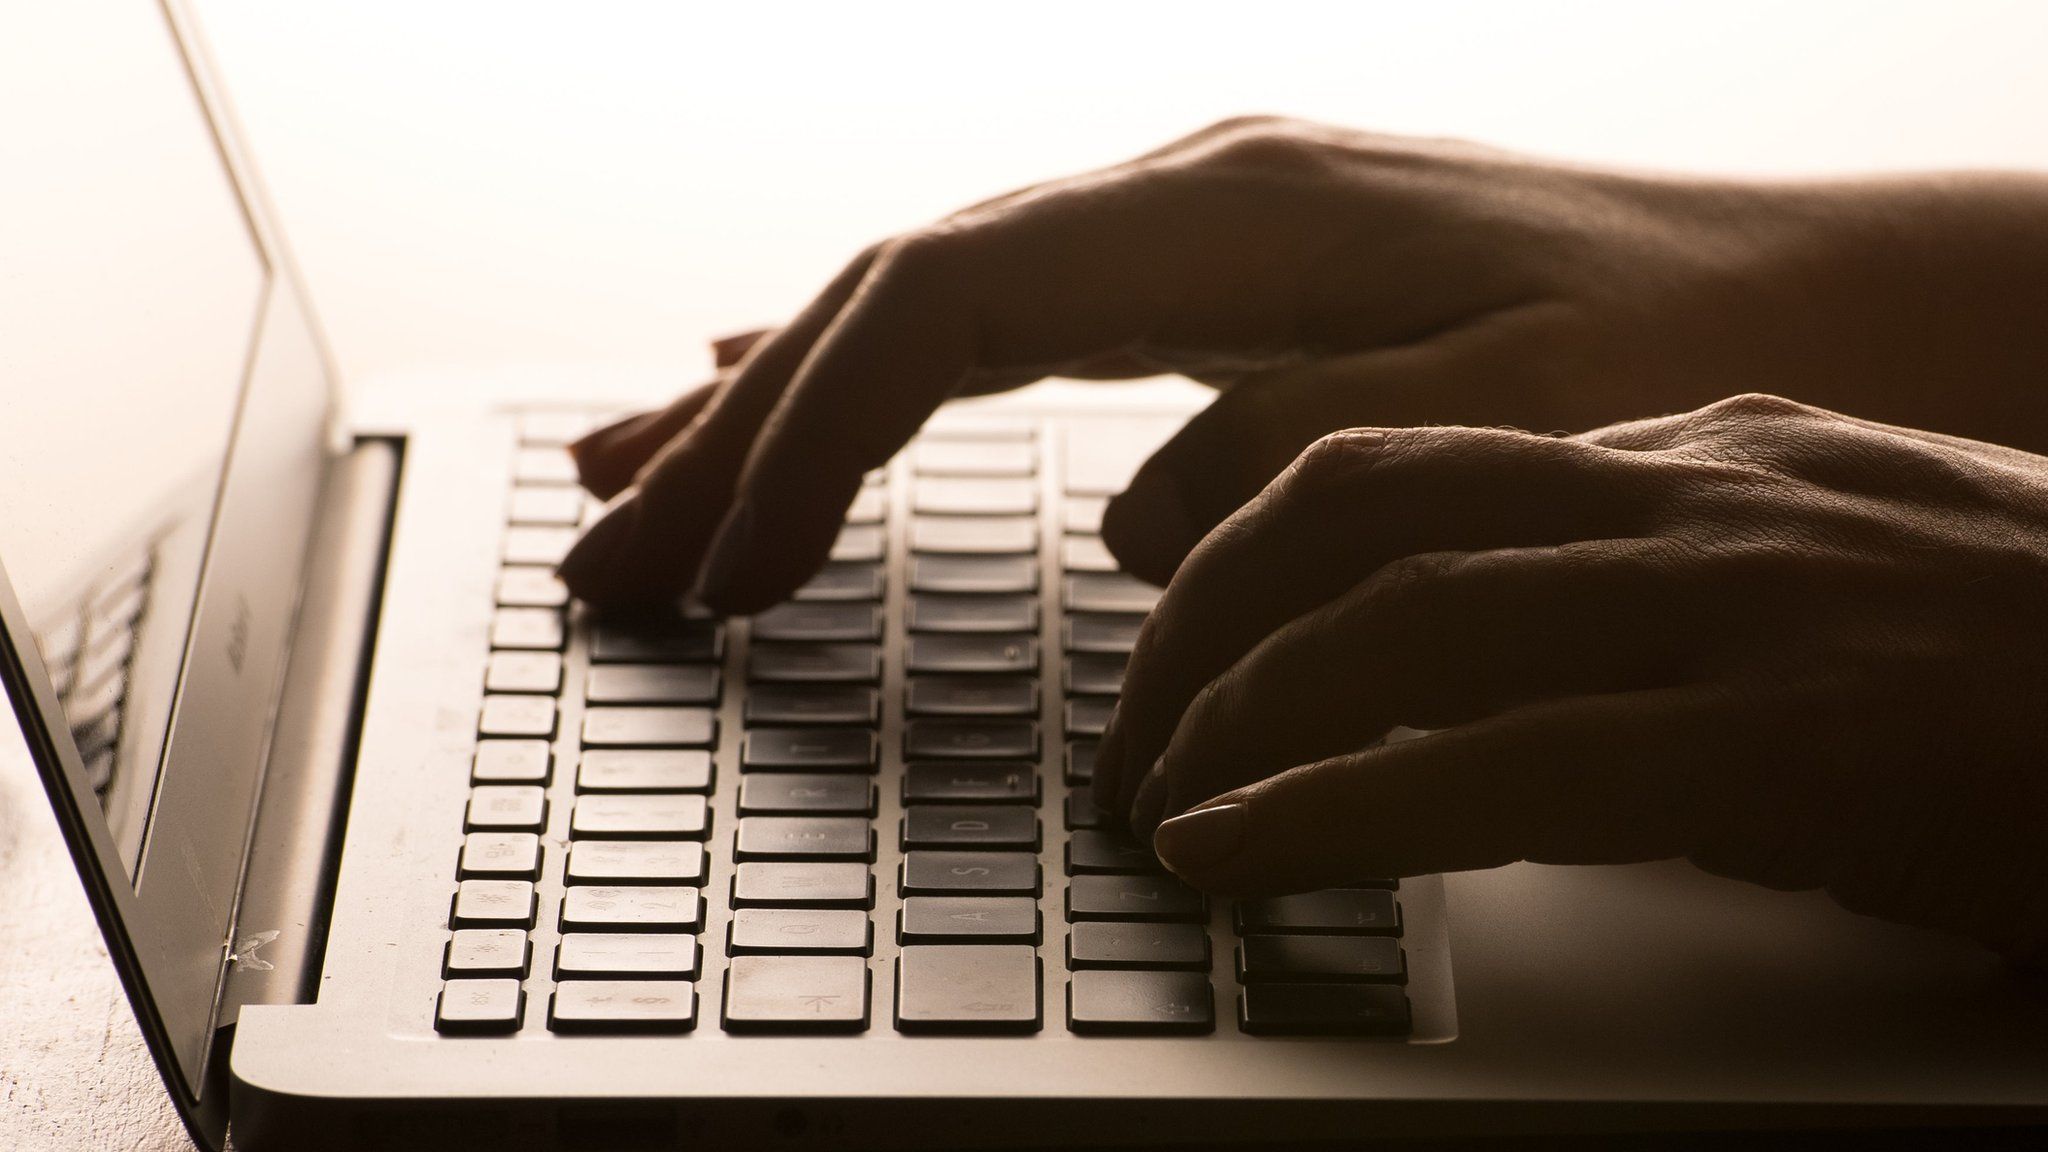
{"x":170,"y":931}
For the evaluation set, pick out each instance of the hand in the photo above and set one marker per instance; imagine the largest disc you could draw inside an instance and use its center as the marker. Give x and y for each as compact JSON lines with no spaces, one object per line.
{"x":1330,"y":279}
{"x":1800,"y":649}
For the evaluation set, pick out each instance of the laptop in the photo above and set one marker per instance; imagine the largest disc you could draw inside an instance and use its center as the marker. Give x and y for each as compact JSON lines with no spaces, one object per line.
{"x":395,"y":847}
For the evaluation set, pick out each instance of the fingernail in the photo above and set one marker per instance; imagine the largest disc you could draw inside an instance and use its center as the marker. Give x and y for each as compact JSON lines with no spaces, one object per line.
{"x":1200,"y":839}
{"x":1150,"y":802}
{"x":601,"y":548}
{"x":728,"y":553}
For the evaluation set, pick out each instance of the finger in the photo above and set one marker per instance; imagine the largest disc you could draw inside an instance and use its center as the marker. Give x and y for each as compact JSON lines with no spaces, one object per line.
{"x":1586,"y":780}
{"x":608,"y":459}
{"x":1352,"y":503}
{"x":727,"y":351}
{"x":1431,"y":641}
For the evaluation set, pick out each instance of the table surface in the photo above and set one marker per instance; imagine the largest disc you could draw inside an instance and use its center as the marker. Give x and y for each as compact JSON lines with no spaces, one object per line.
{"x":472,"y":185}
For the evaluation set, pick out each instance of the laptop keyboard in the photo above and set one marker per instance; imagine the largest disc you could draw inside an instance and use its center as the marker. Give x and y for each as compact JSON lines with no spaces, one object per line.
{"x":736,"y":822}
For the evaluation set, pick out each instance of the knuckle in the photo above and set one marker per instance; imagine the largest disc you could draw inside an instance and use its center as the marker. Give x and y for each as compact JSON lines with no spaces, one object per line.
{"x":1271,"y":147}
{"x":1336,"y":459}
{"x":928,"y":256}
{"x":1758,"y":406}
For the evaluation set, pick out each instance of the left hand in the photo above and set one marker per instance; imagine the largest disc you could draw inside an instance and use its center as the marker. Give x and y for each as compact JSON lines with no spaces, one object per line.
{"x":1798,"y":648}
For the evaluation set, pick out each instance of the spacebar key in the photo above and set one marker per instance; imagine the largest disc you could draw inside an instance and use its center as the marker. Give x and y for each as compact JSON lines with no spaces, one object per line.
{"x":1323,"y":1009}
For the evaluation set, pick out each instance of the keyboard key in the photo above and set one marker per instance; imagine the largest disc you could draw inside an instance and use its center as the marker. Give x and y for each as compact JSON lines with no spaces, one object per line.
{"x":524,"y":672}
{"x":813,"y":704}
{"x":543,"y":465}
{"x":1113,"y":944}
{"x":506,"y":808}
{"x":815,"y":663}
{"x":649,"y":727}
{"x":859,"y":543}
{"x":767,"y":884}
{"x":800,"y":793}
{"x":521,"y":586}
{"x":1110,"y":1002}
{"x":969,"y":782}
{"x":652,"y":684}
{"x":610,"y":862}
{"x":640,"y":816}
{"x":635,"y":909}
{"x":972,"y":989}
{"x":949,"y":427}
{"x":992,"y":653}
{"x":623,"y":1006}
{"x":1099,"y":852}
{"x":626,"y":955}
{"x":1109,"y":592}
{"x":493,"y":904}
{"x":974,"y":535}
{"x":546,"y":504}
{"x":1080,"y":761}
{"x":1086,"y":554}
{"x":1081,"y":811}
{"x":644,"y":770}
{"x":536,"y":545}
{"x":838,"y":582}
{"x":796,"y":994}
{"x":820,"y":622}
{"x":1329,"y":959}
{"x":870,"y":506}
{"x":1103,"y":632}
{"x":950,"y":497}
{"x":833,"y":931}
{"x":798,"y":749}
{"x":938,"y":612}
{"x":485,"y":952}
{"x":664,"y":641}
{"x":500,"y":856}
{"x":480,"y":1007}
{"x":1083,"y":514}
{"x":970,"y":740}
{"x":1096,"y":673}
{"x":1152,"y":899}
{"x":969,"y":920}
{"x":970,"y":696}
{"x":511,"y":762}
{"x":969,"y":826}
{"x":805,"y":838}
{"x":961,"y":873}
{"x":976,"y":458}
{"x":553,"y":427}
{"x":1089,"y":715}
{"x":517,"y":716}
{"x":975,"y":575}
{"x":1332,"y":911}
{"x":1323,"y":1010}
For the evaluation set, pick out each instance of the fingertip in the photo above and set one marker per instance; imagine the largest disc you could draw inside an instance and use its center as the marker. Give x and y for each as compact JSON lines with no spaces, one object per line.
{"x":600,"y":456}
{"x":1201,"y":846}
{"x":1150,"y":528}
{"x":594,"y":565}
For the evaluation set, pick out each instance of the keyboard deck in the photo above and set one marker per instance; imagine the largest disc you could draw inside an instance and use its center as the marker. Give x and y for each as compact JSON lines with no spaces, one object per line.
{"x":867,"y":808}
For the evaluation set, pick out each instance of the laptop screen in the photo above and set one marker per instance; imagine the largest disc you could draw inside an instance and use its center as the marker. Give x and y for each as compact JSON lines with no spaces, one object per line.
{"x":131,"y":286}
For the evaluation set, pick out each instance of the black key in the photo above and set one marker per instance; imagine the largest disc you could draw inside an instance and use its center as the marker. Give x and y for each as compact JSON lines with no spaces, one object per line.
{"x":969,"y":782}
{"x":979,"y":575}
{"x":480,"y":1007}
{"x":493,"y":904}
{"x":1081,"y":810}
{"x":796,"y":749}
{"x":1110,"y":1002}
{"x":1089,"y":715}
{"x":612,"y":862}
{"x":1329,"y":959}
{"x":511,"y":762}
{"x":506,"y":808}
{"x":768,"y":884}
{"x":859,"y":543}
{"x":1109,"y":592}
{"x":974,"y":457}
{"x":937,"y":612}
{"x":1113,"y":944}
{"x":1096,"y":673}
{"x":537,"y":545}
{"x":845,"y":582}
{"x":970,"y":696}
{"x":652,"y":684}
{"x":666,"y":641}
{"x":1083,"y":514}
{"x":1001,"y":497}
{"x":640,"y":816}
{"x":517,"y":716}
{"x":1323,"y":1010}
{"x":993,"y":653}
{"x":1098,"y":632}
{"x":815,"y":663}
{"x":815,"y":931}
{"x":1355,"y":911}
{"x":805,"y":838}
{"x":1080,"y":761}
{"x":644,"y":770}
{"x":478,"y":953}
{"x":974,"y":535}
{"x":967,"y":989}
{"x":632,"y":909}
{"x":626,"y":956}
{"x":524,"y":672}
{"x":623,"y":1006}
{"x":522,"y":586}
{"x":802,"y":793}
{"x":813,"y":704}
{"x":963,"y":826}
{"x":796,"y":994}
{"x":828,"y":622}
{"x":959,"y":873}
{"x":970,"y":740}
{"x":649,"y":727}
{"x":500,"y":856}
{"x":1099,"y":852}
{"x":969,"y":920}
{"x":1148,"y":898}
